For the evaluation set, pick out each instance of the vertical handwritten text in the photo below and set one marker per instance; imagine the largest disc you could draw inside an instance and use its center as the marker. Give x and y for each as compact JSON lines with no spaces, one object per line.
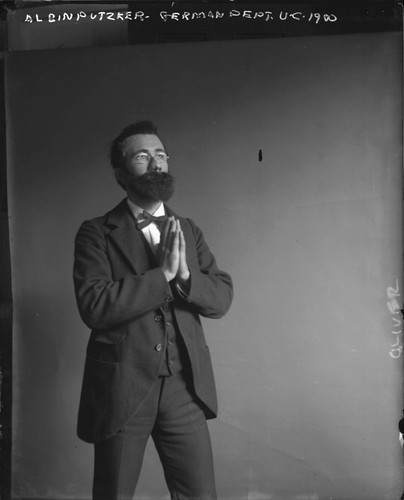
{"x":395,"y":310}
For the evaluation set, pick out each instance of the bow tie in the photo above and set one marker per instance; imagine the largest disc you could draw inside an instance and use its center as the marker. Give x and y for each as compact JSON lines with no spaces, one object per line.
{"x":148,"y":219}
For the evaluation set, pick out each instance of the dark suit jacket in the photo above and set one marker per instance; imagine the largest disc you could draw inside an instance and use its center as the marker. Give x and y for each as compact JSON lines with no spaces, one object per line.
{"x":118,"y":294}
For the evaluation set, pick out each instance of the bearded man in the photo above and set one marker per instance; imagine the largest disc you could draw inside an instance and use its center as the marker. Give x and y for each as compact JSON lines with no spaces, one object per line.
{"x":143,"y":277}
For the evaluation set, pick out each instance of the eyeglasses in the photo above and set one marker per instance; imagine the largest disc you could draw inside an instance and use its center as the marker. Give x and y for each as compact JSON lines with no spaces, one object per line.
{"x":144,"y":158}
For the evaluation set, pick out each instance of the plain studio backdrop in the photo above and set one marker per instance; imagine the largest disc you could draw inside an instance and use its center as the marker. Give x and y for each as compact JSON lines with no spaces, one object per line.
{"x":308,"y":361}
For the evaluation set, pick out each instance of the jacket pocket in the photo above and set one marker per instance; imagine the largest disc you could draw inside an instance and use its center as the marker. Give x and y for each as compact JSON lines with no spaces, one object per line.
{"x":108,"y":346}
{"x":108,"y":336}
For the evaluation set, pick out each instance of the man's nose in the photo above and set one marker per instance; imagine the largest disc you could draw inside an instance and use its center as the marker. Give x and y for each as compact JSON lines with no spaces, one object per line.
{"x":153,"y":164}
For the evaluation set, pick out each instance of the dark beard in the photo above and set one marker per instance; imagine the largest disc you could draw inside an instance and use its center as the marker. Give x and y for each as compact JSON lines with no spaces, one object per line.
{"x":151,"y":186}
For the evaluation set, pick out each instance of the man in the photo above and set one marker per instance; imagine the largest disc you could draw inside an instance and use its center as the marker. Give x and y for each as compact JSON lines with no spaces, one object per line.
{"x":143,"y":276}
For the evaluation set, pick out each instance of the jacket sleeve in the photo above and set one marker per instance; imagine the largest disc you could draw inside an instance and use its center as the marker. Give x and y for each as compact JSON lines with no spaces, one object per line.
{"x":105,"y":302}
{"x":211,"y":290}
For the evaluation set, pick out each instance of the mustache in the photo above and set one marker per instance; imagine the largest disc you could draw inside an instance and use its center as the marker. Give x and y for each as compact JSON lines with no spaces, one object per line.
{"x":150,"y":177}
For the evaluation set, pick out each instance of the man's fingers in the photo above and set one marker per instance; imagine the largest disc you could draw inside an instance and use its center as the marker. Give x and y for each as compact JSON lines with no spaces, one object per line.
{"x":176,"y":237}
{"x":182,"y":244}
{"x":172,"y":236}
{"x":168,"y":253}
{"x":181,"y":240}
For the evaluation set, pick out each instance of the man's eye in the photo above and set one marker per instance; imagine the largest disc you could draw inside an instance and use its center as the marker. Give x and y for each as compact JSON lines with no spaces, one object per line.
{"x":142,"y":157}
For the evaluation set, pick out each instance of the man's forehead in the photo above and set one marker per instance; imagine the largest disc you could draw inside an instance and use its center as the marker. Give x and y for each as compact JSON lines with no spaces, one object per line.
{"x":140,"y":142}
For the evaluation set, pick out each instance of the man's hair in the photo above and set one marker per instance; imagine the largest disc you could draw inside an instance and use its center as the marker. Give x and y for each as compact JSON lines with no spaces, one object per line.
{"x":142,"y":127}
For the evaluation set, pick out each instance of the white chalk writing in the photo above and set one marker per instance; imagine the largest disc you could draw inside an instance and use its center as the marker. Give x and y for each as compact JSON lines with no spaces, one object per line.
{"x":393,"y":293}
{"x":166,"y":16}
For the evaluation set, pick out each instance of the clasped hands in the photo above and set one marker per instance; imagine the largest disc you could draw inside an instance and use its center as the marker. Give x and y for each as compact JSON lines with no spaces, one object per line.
{"x":171,"y":251}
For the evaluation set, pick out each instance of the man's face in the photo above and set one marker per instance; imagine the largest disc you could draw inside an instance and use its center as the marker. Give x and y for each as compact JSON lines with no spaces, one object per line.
{"x":149,"y":144}
{"x":145,"y":170}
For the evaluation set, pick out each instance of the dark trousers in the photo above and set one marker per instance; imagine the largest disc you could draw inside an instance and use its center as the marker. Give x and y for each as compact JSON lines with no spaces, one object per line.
{"x":177,"y":424}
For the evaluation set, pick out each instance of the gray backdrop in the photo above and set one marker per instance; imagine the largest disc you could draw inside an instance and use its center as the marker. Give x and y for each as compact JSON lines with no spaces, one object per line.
{"x":308,"y":379}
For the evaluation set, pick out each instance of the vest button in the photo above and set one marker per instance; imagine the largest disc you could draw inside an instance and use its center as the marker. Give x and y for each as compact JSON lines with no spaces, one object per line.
{"x":157,"y":317}
{"x":168,"y":323}
{"x":158,"y":347}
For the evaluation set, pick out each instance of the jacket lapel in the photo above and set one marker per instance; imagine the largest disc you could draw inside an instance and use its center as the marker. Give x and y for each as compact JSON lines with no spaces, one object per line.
{"x":122,"y":230}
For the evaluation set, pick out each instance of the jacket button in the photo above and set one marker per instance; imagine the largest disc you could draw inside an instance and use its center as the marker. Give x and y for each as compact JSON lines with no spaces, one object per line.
{"x":168,"y":323}
{"x":157,"y":317}
{"x":158,"y":347}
